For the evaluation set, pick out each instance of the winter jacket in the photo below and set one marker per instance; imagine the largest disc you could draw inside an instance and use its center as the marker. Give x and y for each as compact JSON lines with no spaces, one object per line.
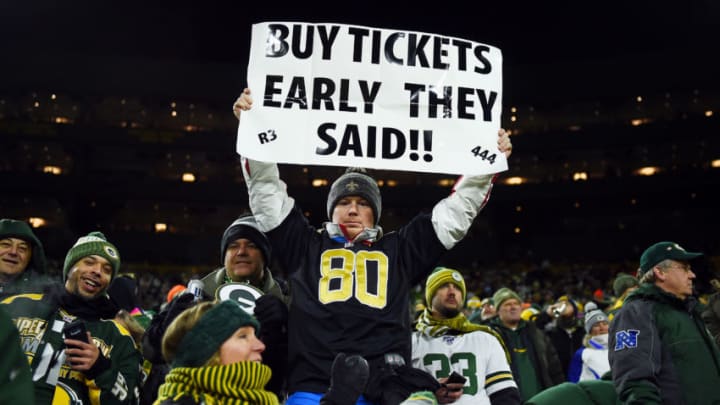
{"x":660,"y":351}
{"x":33,"y":279}
{"x":16,"y":386}
{"x":566,"y":340}
{"x":218,"y":277}
{"x":592,"y":392}
{"x":542,"y":353}
{"x":115,"y":376}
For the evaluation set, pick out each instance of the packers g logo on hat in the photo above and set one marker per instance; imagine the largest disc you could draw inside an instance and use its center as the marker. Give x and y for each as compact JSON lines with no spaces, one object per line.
{"x":111,"y":252}
{"x":245,"y":295}
{"x":94,"y":243}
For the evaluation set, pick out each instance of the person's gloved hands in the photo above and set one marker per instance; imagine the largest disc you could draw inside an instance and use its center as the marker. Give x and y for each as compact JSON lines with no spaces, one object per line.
{"x":448,"y":392}
{"x":272,"y":314}
{"x":152,"y":339}
{"x":348,"y":378}
{"x":177,"y":306}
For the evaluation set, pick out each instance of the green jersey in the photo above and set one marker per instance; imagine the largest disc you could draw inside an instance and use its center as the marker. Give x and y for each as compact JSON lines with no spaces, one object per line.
{"x":40,"y":324}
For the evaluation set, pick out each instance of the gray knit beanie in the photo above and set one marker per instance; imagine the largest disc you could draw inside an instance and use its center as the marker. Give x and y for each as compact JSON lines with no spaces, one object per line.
{"x":355,"y":182}
{"x":593,"y":315}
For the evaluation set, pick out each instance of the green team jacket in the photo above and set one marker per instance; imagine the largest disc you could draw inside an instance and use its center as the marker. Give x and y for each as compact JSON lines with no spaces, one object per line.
{"x":15,"y":383}
{"x":40,"y":326}
{"x":588,"y":392}
{"x":218,"y":277}
{"x":661,"y":352}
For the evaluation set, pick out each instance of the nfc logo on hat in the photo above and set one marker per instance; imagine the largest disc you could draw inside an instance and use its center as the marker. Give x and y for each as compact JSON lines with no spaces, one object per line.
{"x":110,"y":252}
{"x":626,"y":339}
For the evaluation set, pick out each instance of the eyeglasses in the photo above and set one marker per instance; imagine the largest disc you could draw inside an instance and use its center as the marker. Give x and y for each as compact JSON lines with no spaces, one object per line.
{"x":684,"y":267}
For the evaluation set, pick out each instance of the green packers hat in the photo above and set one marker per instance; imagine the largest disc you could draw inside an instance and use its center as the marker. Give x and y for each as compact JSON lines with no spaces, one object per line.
{"x":439,"y":277}
{"x":94,"y":243}
{"x":663,"y":251}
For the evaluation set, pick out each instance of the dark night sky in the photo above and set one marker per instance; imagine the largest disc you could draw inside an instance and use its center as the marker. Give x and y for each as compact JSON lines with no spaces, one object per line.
{"x":569,"y":50}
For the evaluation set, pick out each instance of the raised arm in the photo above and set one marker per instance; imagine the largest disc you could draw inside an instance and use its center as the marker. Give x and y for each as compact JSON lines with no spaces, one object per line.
{"x":268,"y":198}
{"x":452,"y":216}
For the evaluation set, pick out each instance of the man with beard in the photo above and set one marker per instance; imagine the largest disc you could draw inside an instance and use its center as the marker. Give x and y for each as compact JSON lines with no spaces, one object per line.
{"x":445,"y":341}
{"x":100,"y":361}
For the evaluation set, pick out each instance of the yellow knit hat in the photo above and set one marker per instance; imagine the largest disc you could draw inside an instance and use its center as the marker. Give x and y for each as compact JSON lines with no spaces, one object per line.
{"x":440,"y":276}
{"x":474,"y":302}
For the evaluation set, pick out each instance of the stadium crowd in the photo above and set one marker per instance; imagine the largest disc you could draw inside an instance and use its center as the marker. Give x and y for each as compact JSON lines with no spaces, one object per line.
{"x":359,"y":315}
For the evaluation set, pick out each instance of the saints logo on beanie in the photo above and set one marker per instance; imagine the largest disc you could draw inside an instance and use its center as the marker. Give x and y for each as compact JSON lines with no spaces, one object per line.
{"x":94,"y":243}
{"x":439,"y":277}
{"x":355,"y":182}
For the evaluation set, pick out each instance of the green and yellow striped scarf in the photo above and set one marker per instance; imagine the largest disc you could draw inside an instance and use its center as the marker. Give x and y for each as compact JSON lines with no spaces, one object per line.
{"x":433,"y":327}
{"x":438,"y":327}
{"x":238,"y":383}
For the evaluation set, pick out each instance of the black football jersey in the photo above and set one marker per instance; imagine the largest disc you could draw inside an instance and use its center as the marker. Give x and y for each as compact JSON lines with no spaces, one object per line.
{"x":351,"y":298}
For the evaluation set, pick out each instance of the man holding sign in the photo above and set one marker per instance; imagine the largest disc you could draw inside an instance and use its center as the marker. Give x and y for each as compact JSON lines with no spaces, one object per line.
{"x":350,"y":283}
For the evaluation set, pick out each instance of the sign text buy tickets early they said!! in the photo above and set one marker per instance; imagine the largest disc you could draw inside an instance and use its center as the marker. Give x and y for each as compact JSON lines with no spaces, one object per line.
{"x":345,"y":95}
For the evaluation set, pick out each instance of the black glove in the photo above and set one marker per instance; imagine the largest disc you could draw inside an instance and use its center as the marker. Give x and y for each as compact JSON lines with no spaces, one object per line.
{"x":176,"y":306}
{"x":393,"y":384}
{"x":272,"y":314}
{"x":152,"y":339}
{"x":348,"y":379}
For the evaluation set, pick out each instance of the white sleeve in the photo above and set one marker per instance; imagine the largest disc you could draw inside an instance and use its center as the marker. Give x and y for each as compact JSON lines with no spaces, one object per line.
{"x":416,"y":354}
{"x":267,"y":194}
{"x":452,"y":216}
{"x":497,"y":374}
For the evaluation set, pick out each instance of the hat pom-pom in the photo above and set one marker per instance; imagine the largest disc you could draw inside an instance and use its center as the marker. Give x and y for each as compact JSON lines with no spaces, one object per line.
{"x":360,"y":170}
{"x":98,"y":234}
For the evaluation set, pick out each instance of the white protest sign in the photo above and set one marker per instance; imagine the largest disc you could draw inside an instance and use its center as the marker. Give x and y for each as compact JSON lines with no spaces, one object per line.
{"x":345,"y":95}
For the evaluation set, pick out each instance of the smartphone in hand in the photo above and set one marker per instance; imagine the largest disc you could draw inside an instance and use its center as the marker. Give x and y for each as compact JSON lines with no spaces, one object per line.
{"x":75,"y":330}
{"x":455,"y":378}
